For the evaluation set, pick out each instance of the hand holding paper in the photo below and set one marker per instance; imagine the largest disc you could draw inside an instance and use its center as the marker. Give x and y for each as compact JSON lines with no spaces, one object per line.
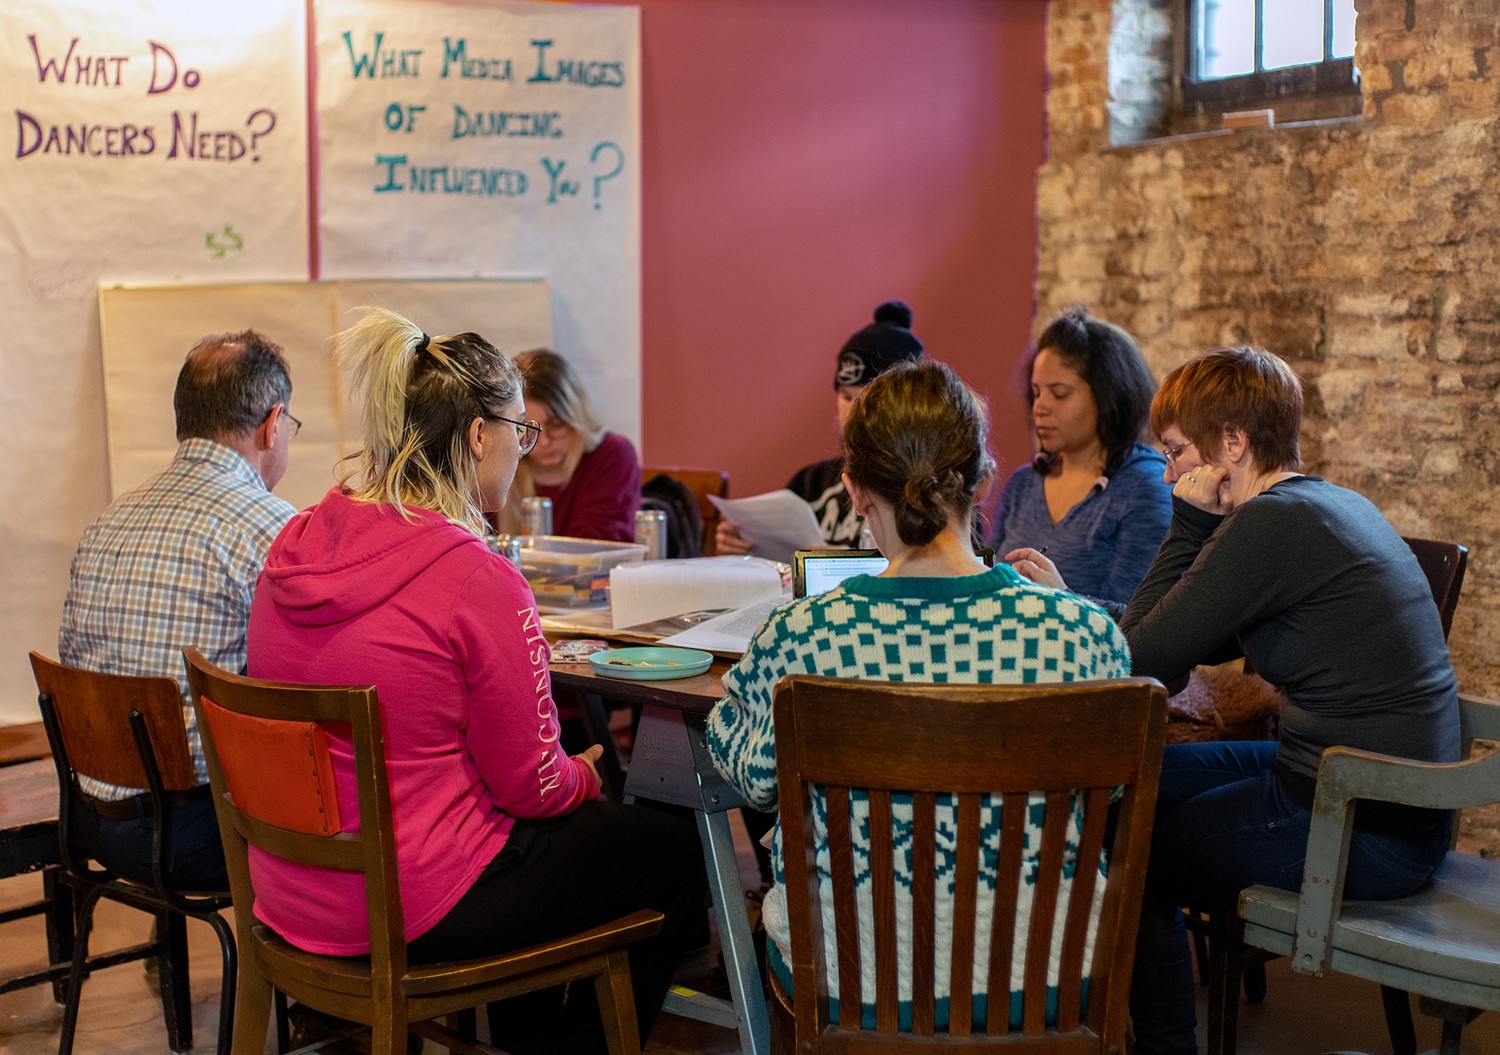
{"x":778,"y":522}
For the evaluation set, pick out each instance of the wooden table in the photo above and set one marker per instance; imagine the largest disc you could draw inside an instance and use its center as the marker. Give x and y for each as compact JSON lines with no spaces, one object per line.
{"x":670,"y":764}
{"x":23,"y":743}
{"x":28,"y":843}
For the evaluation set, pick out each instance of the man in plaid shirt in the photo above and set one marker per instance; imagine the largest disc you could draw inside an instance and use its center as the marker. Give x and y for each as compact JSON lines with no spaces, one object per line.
{"x":173,"y":563}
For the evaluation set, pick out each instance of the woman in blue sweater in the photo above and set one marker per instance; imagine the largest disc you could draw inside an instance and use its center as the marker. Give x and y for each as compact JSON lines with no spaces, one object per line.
{"x":1092,"y":505}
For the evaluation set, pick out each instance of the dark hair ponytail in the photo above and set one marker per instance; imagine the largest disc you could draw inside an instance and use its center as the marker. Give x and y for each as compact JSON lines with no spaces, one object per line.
{"x":918,"y":438}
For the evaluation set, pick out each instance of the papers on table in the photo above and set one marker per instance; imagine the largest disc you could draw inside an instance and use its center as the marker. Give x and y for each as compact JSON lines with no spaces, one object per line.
{"x":657,"y":589}
{"x":777,"y":522}
{"x":730,"y":632}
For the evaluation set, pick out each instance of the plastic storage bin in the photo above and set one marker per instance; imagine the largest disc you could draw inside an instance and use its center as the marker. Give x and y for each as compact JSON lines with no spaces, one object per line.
{"x":572,"y":572}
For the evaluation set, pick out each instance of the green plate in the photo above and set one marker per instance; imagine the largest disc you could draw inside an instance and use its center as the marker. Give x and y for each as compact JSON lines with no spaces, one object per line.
{"x":656,"y":663}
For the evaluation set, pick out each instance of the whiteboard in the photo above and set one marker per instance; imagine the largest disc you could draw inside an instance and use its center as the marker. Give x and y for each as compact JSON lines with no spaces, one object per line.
{"x":145,"y":330}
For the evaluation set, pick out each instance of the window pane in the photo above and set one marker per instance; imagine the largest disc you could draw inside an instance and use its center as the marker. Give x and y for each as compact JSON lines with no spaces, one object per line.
{"x":1226,"y":38}
{"x":1293,"y":33}
{"x":1343,"y":28}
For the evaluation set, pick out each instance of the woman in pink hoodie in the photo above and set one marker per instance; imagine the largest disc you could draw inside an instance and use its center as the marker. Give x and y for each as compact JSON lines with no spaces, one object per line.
{"x":500,"y":839}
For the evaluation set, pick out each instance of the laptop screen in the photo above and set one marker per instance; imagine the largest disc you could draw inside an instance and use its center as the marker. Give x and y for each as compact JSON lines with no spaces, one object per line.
{"x":820,"y":570}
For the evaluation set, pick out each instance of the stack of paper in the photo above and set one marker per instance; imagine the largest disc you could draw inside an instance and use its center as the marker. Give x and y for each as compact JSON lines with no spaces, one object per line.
{"x":658,"y":589}
{"x":729,"y":633}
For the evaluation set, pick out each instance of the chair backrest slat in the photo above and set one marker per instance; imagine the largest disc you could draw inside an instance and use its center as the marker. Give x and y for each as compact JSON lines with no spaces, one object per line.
{"x":1080,"y":906}
{"x":1008,"y":882}
{"x":1044,"y":903}
{"x":341,"y":851}
{"x":845,"y":913}
{"x":965,"y":912}
{"x":93,"y":713}
{"x":924,"y":923}
{"x":883,"y":896}
{"x":1010,"y":783}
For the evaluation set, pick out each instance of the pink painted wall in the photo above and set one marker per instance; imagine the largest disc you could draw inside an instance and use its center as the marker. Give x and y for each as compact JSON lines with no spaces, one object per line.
{"x":804,"y":160}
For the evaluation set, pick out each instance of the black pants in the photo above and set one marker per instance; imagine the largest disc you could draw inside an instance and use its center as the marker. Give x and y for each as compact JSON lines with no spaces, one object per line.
{"x":563,"y":875}
{"x":124,"y":846}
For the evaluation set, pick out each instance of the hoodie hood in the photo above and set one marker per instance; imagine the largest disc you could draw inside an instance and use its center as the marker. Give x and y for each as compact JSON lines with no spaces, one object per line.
{"x":342,"y":558}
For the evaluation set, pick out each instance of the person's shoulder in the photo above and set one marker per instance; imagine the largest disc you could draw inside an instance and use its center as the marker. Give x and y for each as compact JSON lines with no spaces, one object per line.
{"x":1019,"y":478}
{"x":816,"y":475}
{"x":617,"y":445}
{"x":1299,"y":497}
{"x":1037,"y":604}
{"x":1143,"y":464}
{"x":793,"y":623}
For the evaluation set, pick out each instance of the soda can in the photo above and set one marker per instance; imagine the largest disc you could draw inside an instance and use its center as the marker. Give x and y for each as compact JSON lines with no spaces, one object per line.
{"x":508,"y":546}
{"x":537,"y":513}
{"x":651,"y":532}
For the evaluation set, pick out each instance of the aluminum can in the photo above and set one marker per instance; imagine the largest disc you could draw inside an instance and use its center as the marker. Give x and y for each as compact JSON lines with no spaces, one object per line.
{"x":651,"y":532}
{"x":508,"y":546}
{"x":537,"y":513}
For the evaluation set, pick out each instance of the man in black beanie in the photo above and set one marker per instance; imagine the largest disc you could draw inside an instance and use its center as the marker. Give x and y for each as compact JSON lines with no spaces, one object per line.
{"x":866,"y":355}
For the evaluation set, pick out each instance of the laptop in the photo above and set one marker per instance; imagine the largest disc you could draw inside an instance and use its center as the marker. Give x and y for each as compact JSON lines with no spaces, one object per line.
{"x":820,"y":570}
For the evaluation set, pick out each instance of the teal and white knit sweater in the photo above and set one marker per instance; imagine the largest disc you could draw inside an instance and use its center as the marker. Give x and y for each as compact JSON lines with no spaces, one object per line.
{"x":994,"y":628}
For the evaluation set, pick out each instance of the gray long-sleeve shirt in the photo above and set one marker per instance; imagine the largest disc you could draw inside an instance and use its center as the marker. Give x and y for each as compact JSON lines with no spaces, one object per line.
{"x":1326,"y":600}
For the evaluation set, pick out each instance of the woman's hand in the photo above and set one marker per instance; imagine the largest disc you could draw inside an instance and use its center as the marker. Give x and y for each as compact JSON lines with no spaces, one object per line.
{"x":591,"y":758}
{"x":1033,"y":565}
{"x":727,"y":539}
{"x":1205,"y":487}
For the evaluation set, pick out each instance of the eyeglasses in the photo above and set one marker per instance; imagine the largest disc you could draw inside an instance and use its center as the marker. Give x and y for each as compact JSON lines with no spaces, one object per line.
{"x":296,"y":425}
{"x":1173,"y":452}
{"x":527,"y":433}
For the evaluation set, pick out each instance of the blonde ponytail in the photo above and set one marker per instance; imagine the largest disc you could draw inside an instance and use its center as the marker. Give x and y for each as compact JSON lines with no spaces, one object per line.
{"x":417,"y":397}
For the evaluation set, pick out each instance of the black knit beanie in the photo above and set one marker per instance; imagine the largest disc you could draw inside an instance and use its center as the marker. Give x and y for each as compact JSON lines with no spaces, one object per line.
{"x":879,"y":346}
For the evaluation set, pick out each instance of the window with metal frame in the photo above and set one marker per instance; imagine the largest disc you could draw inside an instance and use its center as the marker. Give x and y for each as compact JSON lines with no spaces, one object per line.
{"x":1256,"y":51}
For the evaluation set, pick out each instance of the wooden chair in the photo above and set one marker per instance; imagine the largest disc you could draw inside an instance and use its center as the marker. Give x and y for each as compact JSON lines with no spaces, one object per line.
{"x":1444,"y":564}
{"x":129,"y":731}
{"x":1044,"y":752}
{"x":1443,"y":942}
{"x":267,"y":762}
{"x":702,"y":482}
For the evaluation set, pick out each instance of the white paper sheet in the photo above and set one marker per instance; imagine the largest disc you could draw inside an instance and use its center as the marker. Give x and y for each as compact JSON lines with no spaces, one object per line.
{"x":657,"y":589}
{"x":731,"y":632}
{"x":777,"y":522}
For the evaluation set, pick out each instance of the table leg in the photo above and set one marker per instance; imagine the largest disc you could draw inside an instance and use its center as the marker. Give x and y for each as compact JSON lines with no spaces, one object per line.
{"x":735,"y":941}
{"x":670,"y":764}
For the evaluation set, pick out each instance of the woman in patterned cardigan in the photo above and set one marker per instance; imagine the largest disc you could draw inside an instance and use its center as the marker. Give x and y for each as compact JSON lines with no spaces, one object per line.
{"x":916,"y":458}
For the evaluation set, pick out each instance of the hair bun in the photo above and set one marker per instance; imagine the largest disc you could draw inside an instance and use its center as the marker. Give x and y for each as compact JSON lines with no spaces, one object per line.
{"x":895,"y":312}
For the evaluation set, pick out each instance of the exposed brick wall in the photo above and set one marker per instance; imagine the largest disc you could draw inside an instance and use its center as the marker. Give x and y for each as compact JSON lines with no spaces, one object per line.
{"x":1366,"y":251}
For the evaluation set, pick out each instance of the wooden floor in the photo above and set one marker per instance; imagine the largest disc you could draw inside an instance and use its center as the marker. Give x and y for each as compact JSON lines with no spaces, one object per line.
{"x":121,"y":1014}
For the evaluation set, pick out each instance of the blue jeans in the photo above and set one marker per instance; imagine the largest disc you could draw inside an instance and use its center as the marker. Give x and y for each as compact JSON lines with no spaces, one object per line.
{"x":1224,"y":822}
{"x":124,"y":846}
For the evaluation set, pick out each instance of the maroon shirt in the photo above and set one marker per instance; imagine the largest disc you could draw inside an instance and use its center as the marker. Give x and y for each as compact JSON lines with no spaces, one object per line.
{"x":601,"y":499}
